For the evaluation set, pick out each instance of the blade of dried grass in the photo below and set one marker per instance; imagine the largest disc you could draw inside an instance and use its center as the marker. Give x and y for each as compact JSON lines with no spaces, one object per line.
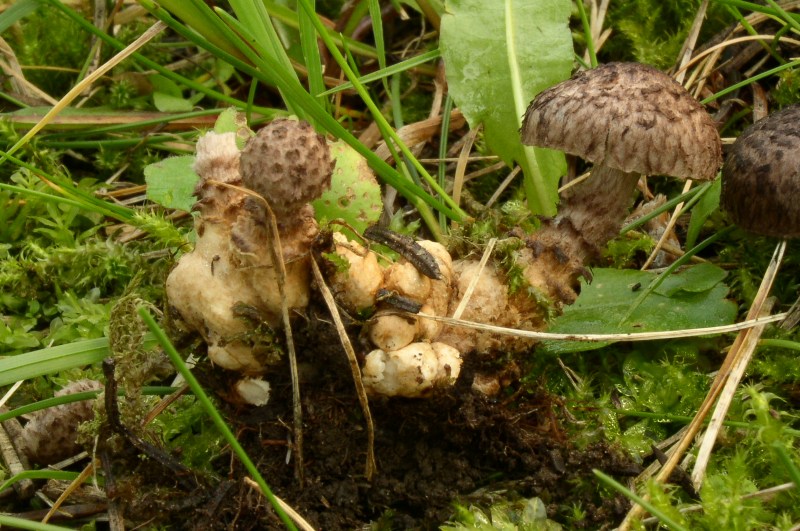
{"x":143,"y":39}
{"x":632,"y":337}
{"x":717,"y":385}
{"x":726,"y":397}
{"x":462,"y":304}
{"x":369,"y":468}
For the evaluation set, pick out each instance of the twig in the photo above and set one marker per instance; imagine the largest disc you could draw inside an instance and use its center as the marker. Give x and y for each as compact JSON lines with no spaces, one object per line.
{"x":182,"y":473}
{"x":87,"y":471}
{"x":369,"y":469}
{"x":276,"y":252}
{"x":16,"y":462}
{"x":461,"y":165}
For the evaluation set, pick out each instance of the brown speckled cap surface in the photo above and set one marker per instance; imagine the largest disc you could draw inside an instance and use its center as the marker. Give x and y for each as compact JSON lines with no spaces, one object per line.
{"x":629,"y":117}
{"x":761,"y":176}
{"x":287,"y":163}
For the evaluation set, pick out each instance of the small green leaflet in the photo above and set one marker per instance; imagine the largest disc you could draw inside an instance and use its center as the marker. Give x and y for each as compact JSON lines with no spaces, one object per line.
{"x":171,"y":182}
{"x":693,"y":298}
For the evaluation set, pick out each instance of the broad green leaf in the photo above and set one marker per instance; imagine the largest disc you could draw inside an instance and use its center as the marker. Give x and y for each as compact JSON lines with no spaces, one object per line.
{"x":499,"y":55}
{"x":355,"y":195}
{"x":701,"y":277}
{"x":696,"y":299}
{"x":171,"y":182}
{"x":169,"y":103}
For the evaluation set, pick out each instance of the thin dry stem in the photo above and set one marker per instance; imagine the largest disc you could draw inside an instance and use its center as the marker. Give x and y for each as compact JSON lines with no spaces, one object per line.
{"x":16,"y":461}
{"x":294,"y":515}
{"x":673,"y":219}
{"x":726,"y":397}
{"x":691,"y":39}
{"x":462,"y":305}
{"x":370,"y":467}
{"x":632,"y":337}
{"x":76,"y":91}
{"x":500,"y":189}
{"x":277,"y":259}
{"x":87,"y":471}
{"x":461,"y":165}
{"x":297,"y":406}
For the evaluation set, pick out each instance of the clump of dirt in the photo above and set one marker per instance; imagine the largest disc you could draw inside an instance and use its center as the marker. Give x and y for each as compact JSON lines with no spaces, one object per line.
{"x":455,"y":446}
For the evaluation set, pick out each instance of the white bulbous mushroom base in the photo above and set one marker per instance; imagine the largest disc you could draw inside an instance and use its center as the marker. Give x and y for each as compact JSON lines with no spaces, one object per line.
{"x":411,"y":371}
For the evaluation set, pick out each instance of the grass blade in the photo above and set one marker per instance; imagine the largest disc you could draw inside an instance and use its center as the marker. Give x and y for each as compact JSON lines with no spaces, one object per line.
{"x":316,"y":111}
{"x":216,"y":418}
{"x":383,"y":73}
{"x":652,"y":509}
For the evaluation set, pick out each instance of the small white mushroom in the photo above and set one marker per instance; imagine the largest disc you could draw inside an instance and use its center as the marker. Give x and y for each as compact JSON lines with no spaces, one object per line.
{"x":412,"y":370}
{"x":254,"y":391}
{"x":391,"y":331}
{"x":356,"y":288}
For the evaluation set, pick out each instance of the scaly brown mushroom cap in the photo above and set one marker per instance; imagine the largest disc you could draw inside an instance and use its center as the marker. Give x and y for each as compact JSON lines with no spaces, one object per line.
{"x":288,"y":164}
{"x":629,"y":117}
{"x":761,"y":176}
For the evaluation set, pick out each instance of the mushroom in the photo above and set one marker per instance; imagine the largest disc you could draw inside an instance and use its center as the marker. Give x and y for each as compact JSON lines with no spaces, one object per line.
{"x":51,"y":435}
{"x":761,"y":181}
{"x":230,"y":273}
{"x":628,"y":119}
{"x":761,"y":176}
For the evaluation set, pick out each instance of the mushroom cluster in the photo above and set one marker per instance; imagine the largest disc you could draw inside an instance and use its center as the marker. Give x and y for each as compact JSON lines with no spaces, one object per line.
{"x":408,"y":360}
{"x":229,"y":279}
{"x":629,"y":120}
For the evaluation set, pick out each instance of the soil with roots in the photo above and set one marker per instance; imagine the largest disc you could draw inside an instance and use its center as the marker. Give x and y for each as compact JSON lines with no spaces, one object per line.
{"x":456,"y":446}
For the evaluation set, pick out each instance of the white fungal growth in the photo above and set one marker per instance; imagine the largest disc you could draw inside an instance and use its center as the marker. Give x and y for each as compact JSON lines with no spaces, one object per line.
{"x":411,"y":370}
{"x":356,"y":287}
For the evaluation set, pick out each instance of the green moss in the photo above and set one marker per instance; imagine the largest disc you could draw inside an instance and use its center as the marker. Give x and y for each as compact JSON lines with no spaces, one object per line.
{"x":48,"y":39}
{"x":652,"y":32}
{"x":787,"y":91}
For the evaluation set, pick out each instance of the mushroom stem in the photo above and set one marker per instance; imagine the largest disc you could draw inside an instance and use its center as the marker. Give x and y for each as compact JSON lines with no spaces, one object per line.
{"x":597,"y":208}
{"x":591,"y":215}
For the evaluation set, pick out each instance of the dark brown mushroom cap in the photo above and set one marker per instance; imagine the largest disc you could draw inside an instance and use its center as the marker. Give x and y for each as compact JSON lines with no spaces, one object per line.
{"x":629,"y":117}
{"x":761,"y":176}
{"x":287,"y":163}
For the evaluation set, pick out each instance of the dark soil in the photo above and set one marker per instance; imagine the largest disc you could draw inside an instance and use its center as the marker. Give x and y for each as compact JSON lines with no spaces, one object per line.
{"x":455,"y":446}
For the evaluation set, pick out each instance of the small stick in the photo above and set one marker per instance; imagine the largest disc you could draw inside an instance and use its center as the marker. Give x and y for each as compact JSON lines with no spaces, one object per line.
{"x":631,"y":336}
{"x":182,"y":473}
{"x":369,"y":469}
{"x":87,"y":471}
{"x":277,"y":259}
{"x":726,"y":397}
{"x":15,"y":461}
{"x":462,"y":305}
